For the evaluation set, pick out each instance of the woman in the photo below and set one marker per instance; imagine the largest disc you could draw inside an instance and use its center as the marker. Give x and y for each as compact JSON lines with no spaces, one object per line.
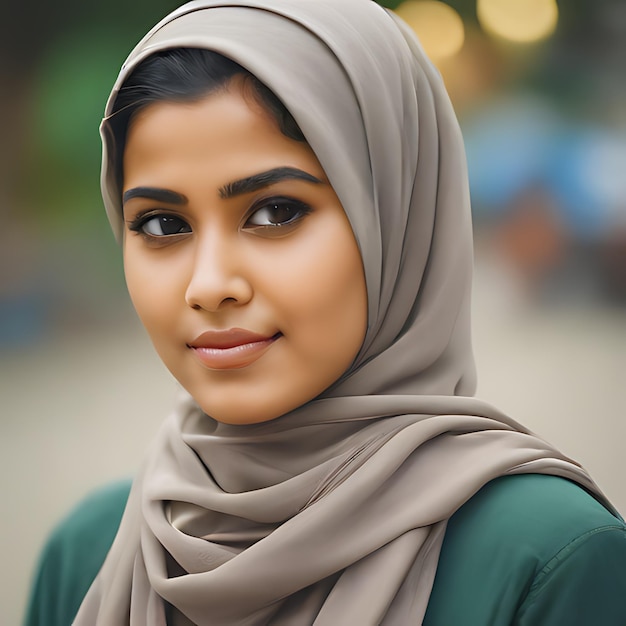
{"x":288,"y":183}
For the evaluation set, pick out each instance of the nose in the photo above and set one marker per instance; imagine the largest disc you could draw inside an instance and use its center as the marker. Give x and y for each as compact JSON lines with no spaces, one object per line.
{"x":218,"y":278}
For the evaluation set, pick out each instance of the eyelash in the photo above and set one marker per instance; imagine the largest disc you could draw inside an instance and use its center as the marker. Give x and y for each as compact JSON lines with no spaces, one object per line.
{"x":299,"y":211}
{"x":138,"y":223}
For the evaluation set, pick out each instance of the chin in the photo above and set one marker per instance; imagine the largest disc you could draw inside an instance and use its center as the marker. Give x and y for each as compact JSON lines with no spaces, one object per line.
{"x":239,"y":418}
{"x":255,"y":410}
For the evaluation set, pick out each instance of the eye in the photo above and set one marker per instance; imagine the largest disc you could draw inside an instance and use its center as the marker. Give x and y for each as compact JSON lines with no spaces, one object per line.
{"x":277,"y":213}
{"x":160,"y":225}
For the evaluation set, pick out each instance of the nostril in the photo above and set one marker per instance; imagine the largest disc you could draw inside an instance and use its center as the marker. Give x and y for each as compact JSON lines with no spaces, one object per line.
{"x":209,"y":291}
{"x":198,"y":307}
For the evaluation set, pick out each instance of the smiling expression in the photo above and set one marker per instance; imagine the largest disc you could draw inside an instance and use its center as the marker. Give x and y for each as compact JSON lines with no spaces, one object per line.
{"x":239,"y":258}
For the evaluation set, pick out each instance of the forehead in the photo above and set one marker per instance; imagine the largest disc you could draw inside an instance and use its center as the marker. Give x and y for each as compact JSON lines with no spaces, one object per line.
{"x":236,"y":101}
{"x":226,"y":109}
{"x":229,"y":129}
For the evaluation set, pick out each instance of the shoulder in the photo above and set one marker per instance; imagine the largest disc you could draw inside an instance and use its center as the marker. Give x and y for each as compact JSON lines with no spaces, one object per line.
{"x":95,"y":513}
{"x":526,"y":550}
{"x":73,"y":555}
{"x":546,"y":511}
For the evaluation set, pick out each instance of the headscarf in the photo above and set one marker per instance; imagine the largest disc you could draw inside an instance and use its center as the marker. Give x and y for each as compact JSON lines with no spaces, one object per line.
{"x":334,"y":513}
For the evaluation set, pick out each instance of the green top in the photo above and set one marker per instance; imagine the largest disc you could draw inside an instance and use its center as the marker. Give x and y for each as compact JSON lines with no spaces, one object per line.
{"x":526,"y":550}
{"x":531,"y":550}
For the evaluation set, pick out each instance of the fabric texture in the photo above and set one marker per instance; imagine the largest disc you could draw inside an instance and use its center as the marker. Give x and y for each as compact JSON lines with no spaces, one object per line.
{"x":527,"y":550}
{"x":334,"y":513}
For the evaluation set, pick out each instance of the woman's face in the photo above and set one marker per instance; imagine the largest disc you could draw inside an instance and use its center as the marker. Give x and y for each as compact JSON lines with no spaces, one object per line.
{"x":239,"y":258}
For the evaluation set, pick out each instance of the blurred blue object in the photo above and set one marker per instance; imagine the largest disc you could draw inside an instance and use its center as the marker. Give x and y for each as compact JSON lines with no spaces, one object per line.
{"x":519,"y":143}
{"x":509,"y":145}
{"x":588,"y":177}
{"x":23,"y":319}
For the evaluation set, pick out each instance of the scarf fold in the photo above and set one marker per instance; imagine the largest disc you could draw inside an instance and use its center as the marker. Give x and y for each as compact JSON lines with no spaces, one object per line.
{"x":334,"y":513}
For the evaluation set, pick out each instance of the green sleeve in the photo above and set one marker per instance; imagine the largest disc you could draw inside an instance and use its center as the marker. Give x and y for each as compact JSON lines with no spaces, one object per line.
{"x":531,"y":550}
{"x":73,"y":556}
{"x":584,"y":584}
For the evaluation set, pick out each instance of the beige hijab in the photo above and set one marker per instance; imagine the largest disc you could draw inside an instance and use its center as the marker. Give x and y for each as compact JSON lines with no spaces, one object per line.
{"x":334,"y":513}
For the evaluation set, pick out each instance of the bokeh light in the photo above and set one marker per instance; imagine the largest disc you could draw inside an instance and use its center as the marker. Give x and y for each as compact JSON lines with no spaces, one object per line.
{"x":438,"y":26}
{"x":520,"y":21}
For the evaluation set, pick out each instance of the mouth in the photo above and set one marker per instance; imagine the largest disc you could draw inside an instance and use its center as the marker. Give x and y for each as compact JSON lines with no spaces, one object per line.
{"x":230,"y":349}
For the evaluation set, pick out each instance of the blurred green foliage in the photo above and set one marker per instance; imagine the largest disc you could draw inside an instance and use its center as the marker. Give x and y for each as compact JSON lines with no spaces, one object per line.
{"x":72,"y":55}
{"x":70,"y":66}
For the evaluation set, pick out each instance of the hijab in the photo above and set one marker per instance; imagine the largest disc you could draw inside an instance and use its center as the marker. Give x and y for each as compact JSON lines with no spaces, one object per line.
{"x":334,"y":513}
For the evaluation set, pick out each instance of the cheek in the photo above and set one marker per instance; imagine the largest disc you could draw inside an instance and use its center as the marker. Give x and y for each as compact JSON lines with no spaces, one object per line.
{"x":151,"y":288}
{"x":327,"y":295}
{"x":139,"y":282}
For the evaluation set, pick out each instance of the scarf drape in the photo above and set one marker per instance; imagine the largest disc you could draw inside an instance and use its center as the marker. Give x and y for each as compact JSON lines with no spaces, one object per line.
{"x":334,"y":513}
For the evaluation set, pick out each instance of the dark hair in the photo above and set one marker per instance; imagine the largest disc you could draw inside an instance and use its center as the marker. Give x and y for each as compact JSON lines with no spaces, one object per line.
{"x":186,"y":75}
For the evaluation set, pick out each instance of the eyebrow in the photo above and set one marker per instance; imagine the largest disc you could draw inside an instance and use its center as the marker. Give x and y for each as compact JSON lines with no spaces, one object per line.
{"x":155,"y":193}
{"x":235,"y":188}
{"x":265,"y":179}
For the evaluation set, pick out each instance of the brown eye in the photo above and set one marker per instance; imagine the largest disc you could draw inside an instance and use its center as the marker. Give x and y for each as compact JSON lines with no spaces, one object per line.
{"x":276,"y":213}
{"x":164,"y":225}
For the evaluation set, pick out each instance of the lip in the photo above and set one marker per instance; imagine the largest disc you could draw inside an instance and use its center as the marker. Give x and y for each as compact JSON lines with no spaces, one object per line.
{"x":230,"y":349}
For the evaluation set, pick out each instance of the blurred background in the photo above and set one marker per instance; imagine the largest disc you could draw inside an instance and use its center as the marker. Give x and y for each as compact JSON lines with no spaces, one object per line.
{"x":540,"y":91}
